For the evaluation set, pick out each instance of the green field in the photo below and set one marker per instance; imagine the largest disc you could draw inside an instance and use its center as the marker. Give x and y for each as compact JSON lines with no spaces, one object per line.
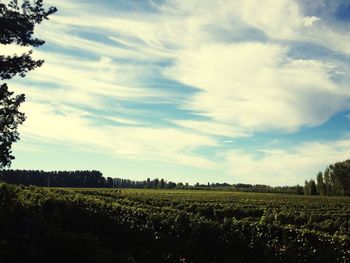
{"x":129,"y":225}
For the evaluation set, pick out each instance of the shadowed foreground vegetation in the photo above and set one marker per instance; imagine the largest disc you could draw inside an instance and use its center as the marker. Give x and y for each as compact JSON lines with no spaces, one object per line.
{"x":111,"y":225}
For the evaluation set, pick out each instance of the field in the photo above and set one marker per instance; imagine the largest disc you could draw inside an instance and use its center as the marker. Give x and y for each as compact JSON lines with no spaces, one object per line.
{"x":111,"y":225}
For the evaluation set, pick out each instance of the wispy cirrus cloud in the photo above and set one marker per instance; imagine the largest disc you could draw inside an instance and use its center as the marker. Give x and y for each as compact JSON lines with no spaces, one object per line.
{"x":218,"y":70}
{"x":67,"y":125}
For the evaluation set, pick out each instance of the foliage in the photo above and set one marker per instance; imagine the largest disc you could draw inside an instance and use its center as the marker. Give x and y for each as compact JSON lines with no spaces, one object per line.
{"x":334,"y":181}
{"x":17,"y":23}
{"x":55,"y":178}
{"x":11,"y":117}
{"x":170,"y":225}
{"x":95,"y":179}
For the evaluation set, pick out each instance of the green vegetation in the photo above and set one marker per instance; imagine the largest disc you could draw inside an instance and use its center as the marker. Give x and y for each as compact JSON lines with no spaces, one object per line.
{"x":96,"y":179}
{"x":334,"y":181}
{"x":133,"y":225}
{"x":161,"y":222}
{"x":55,"y":179}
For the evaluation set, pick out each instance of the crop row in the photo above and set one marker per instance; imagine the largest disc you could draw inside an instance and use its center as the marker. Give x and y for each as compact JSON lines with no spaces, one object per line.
{"x":169,"y":226}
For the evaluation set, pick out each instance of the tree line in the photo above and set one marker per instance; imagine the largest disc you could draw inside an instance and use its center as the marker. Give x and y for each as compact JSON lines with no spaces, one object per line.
{"x":334,"y":181}
{"x":54,"y":178}
{"x":145,"y":184}
{"x":163,"y":184}
{"x":86,"y":179}
{"x":95,"y":179}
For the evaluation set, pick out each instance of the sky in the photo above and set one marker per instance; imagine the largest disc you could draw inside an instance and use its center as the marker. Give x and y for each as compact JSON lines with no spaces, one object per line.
{"x":237,"y":91}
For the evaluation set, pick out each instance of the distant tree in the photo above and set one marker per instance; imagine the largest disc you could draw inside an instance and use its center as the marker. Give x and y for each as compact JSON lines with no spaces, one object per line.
{"x":334,"y":181}
{"x":298,"y":190}
{"x":109,"y":182}
{"x":162,"y":183}
{"x":156,"y":183}
{"x":17,"y":23}
{"x":54,"y":178}
{"x":320,"y":184}
{"x":328,"y":181}
{"x":310,"y":187}
{"x":307,"y":188}
{"x":339,"y":175}
{"x":171,"y":185}
{"x":180,"y":185}
{"x":313,"y":188}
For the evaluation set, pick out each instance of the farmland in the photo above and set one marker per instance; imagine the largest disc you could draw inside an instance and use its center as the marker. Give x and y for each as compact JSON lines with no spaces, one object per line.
{"x":132,"y":225}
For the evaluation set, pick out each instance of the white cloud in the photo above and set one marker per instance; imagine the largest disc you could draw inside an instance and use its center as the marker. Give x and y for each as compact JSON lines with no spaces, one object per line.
{"x":285,"y":166}
{"x":278,"y":19}
{"x":238,"y":54}
{"x":11,"y":49}
{"x":71,"y":127}
{"x":212,"y":128}
{"x":310,"y":20}
{"x":257,"y":87}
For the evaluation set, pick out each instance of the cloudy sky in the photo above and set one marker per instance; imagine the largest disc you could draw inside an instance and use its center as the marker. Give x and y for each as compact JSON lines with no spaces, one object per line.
{"x":194,"y":91}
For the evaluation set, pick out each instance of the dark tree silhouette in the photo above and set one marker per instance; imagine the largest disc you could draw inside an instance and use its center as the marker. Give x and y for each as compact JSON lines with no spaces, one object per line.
{"x":17,"y":23}
{"x":9,"y":121}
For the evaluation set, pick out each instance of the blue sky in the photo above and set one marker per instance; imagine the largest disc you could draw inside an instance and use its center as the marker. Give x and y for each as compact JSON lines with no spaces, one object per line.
{"x":193,"y":91}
